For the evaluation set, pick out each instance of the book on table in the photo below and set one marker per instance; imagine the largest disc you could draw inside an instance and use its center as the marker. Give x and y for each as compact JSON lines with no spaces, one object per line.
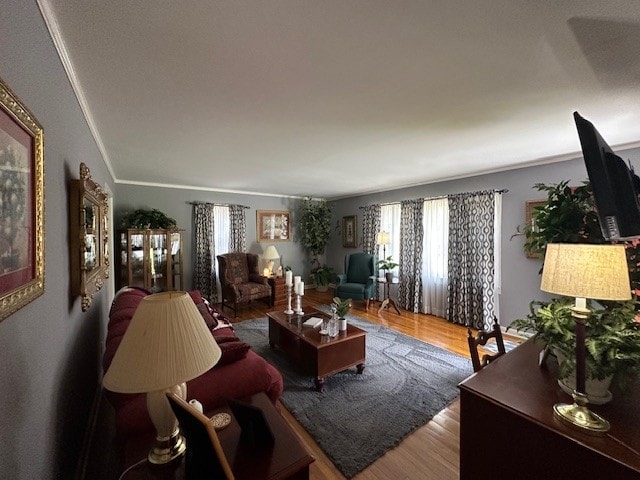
{"x":313,"y":322}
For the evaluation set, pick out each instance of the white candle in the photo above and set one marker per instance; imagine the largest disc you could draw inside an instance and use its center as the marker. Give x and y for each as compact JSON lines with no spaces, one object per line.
{"x":288,"y":278}
{"x":296,"y":281}
{"x":301,"y":288}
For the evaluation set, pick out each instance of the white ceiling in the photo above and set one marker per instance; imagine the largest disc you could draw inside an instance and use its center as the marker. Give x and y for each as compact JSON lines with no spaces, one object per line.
{"x":331,"y":98}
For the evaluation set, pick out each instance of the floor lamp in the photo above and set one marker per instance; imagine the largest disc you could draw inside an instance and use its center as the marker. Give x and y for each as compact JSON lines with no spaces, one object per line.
{"x":599,"y":272}
{"x":384,"y":239}
{"x":166,"y":344}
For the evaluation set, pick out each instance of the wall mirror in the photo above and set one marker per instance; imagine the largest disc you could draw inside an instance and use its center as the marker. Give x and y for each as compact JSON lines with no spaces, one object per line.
{"x":89,"y":237}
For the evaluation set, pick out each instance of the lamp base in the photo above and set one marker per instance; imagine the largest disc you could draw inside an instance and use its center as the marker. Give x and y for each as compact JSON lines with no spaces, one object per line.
{"x":167,"y":449}
{"x":578,"y":416}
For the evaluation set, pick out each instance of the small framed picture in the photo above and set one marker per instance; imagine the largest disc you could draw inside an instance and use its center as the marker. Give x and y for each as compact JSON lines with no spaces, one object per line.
{"x":273,"y":225}
{"x":349,"y":232}
{"x":531,"y":207}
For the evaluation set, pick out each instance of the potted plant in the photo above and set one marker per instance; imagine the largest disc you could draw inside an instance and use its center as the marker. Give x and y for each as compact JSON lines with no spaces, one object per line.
{"x":387,"y":265}
{"x":322,"y":276}
{"x":612,"y":341}
{"x":341,"y":308}
{"x":147,"y":219}
{"x":314,"y":230}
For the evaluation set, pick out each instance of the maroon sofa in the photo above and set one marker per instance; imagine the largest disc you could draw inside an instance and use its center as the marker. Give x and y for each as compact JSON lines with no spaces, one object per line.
{"x":240,"y":372}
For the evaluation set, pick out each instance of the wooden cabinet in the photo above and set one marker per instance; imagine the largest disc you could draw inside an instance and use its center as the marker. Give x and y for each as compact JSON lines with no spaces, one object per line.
{"x":506,"y":415}
{"x":278,"y":292}
{"x":151,"y":259}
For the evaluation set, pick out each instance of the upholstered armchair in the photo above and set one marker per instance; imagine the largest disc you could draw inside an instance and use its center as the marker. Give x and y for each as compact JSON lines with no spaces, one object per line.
{"x":240,"y":280}
{"x":359,"y":280}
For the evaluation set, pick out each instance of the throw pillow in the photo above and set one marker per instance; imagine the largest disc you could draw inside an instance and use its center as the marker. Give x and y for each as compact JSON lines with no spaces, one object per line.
{"x":232,"y":352}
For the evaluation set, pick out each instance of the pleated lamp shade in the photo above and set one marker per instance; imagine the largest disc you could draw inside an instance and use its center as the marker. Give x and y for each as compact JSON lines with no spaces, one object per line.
{"x":383,"y":238}
{"x":582,"y":270}
{"x":167,"y":343}
{"x":271,"y":253}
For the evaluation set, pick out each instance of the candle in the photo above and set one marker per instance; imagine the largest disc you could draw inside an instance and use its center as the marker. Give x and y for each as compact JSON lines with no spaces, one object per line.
{"x":301,"y":288}
{"x":288,"y":278}
{"x":296,"y":281}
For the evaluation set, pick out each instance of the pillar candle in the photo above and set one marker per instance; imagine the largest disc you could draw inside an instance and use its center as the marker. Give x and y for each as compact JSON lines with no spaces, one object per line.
{"x":288,"y":278}
{"x":296,"y":281}
{"x":301,"y":288}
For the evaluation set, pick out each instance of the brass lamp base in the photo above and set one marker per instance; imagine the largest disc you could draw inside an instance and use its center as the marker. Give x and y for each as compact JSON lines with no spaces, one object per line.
{"x":578,"y":416}
{"x":167,"y":449}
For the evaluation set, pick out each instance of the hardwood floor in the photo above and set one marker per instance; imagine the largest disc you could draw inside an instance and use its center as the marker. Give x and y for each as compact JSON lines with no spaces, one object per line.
{"x":432,"y":451}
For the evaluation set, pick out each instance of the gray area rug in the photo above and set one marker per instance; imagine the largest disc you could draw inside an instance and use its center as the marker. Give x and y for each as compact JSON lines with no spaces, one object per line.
{"x":356,"y":418}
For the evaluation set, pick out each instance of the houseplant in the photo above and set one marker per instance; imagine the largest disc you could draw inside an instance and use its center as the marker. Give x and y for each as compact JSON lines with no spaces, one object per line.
{"x":341,"y":308}
{"x":387,"y":265}
{"x":322,"y":276}
{"x":612,"y":338}
{"x":314,"y":230}
{"x":147,"y":219}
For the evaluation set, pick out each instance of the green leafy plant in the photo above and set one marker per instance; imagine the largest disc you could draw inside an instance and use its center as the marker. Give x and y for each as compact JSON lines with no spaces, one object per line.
{"x":323,"y":275}
{"x":612,"y":336}
{"x":314,"y":231}
{"x":147,"y":219}
{"x":387,"y":264}
{"x":342,"y":306}
{"x":569,"y":216}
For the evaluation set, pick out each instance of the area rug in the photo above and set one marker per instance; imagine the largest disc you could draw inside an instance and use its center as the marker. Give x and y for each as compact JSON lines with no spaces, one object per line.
{"x":356,"y":418}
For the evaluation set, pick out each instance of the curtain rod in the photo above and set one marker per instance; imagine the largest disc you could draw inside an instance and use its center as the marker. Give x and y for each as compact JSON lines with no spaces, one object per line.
{"x":217,"y":204}
{"x":503,"y":190}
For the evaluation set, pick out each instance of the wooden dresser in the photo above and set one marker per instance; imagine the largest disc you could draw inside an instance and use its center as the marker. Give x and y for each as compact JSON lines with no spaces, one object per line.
{"x":278,"y":291}
{"x":508,"y":430}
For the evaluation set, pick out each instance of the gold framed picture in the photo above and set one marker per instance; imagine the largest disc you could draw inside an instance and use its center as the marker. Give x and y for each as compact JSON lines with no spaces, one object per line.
{"x":22,"y":194}
{"x":530,"y":211}
{"x":349,"y":231}
{"x":273,"y":225}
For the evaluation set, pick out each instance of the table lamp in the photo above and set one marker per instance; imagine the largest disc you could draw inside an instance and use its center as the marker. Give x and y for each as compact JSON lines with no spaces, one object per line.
{"x":584,"y":271}
{"x":166,"y":344}
{"x":271,"y":254}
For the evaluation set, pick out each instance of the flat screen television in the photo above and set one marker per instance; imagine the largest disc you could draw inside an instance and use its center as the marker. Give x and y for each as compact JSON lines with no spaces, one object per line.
{"x":615,"y":186}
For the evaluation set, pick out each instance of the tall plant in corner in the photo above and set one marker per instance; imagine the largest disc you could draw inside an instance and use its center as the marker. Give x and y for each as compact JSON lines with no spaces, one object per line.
{"x":314,"y":231}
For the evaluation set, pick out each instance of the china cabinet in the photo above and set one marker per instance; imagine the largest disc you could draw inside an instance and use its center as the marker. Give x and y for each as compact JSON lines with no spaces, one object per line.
{"x":151,"y":259}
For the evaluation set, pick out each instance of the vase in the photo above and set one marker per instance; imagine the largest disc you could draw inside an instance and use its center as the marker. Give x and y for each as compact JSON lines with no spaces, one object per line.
{"x":597,"y":390}
{"x":332,"y":327}
{"x":389,"y":277}
{"x":342,"y":324}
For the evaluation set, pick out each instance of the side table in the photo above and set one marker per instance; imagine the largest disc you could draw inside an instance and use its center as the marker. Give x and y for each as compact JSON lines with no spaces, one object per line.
{"x":278,"y":291}
{"x":287,"y":459}
{"x":387,"y":294}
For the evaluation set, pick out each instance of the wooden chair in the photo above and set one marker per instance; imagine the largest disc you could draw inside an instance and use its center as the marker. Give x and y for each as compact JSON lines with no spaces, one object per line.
{"x":481,"y":339}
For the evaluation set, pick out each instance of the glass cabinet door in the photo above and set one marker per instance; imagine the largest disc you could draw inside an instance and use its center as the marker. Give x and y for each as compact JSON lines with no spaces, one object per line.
{"x":151,"y":259}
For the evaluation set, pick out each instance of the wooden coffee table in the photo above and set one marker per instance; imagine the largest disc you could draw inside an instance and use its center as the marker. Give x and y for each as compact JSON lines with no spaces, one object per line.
{"x":317,"y":355}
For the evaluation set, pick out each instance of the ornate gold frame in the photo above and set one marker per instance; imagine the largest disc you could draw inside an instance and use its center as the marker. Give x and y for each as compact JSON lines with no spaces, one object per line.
{"x":32,"y":286}
{"x":88,"y":217}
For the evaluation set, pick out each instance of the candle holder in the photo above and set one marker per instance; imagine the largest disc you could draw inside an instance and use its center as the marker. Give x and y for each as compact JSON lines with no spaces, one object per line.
{"x":288,"y":311}
{"x":298,"y":309}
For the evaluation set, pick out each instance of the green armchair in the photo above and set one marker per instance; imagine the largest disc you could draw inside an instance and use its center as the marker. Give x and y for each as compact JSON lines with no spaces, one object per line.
{"x":359,"y":280}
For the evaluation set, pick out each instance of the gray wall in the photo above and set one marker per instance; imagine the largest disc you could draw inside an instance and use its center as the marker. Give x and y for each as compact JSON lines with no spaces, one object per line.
{"x":49,"y":350}
{"x":176,"y":204}
{"x":520,"y":278}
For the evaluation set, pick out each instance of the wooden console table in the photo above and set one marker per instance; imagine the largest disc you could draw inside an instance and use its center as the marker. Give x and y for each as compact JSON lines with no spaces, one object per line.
{"x":287,"y":459}
{"x":507,"y":426}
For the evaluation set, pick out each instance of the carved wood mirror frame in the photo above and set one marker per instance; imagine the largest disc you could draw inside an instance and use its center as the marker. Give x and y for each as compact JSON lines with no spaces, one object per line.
{"x":89,"y":237}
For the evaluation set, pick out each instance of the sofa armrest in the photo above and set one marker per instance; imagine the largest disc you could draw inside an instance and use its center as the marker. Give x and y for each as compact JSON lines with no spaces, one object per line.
{"x":257,"y":278}
{"x":342,"y":278}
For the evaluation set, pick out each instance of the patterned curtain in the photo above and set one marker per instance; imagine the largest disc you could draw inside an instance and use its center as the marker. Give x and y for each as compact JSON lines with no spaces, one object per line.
{"x":370,"y":227}
{"x":411,"y":248}
{"x":204,"y":275}
{"x":238,"y":227}
{"x":471,"y":299}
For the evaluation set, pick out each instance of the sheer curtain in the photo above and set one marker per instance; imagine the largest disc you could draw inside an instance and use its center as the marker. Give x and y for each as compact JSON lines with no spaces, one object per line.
{"x":435,"y":258}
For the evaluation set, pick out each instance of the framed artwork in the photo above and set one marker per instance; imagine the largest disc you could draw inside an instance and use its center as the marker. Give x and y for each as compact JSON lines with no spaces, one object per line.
{"x":530,"y":210}
{"x":273,"y":225}
{"x":349,"y":232}
{"x":21,"y":204}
